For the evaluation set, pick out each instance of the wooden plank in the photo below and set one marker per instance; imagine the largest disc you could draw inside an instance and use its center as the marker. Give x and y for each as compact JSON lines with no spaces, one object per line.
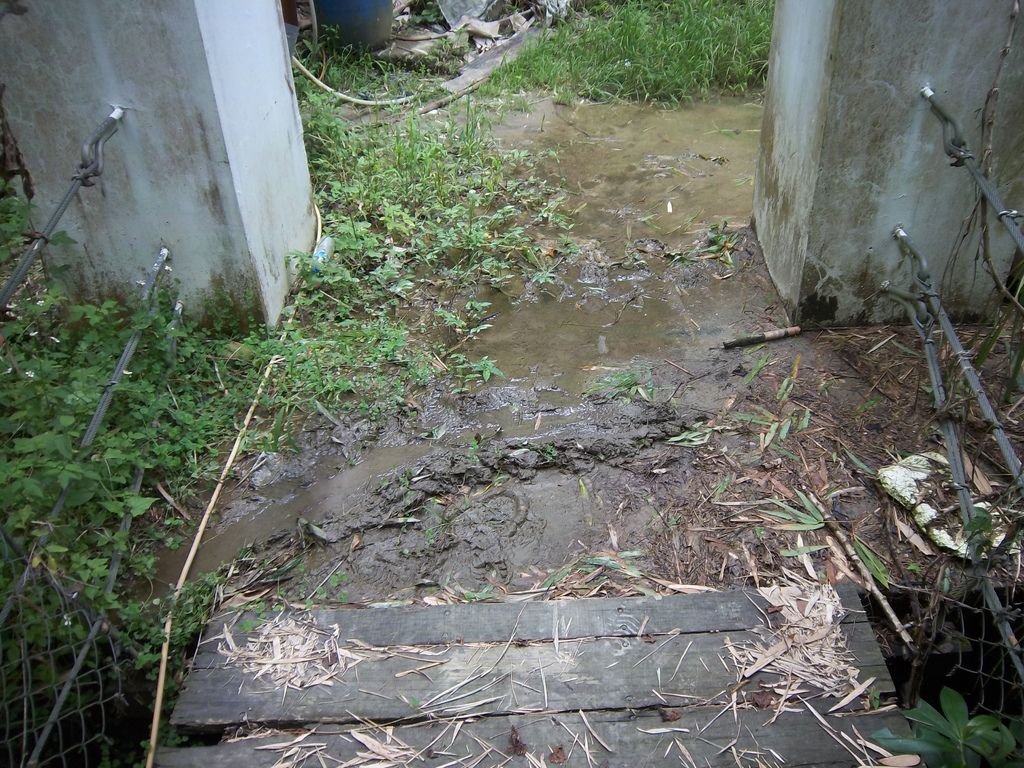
{"x":481,"y":68}
{"x":714,"y":738}
{"x":496,"y":622}
{"x":589,"y":674}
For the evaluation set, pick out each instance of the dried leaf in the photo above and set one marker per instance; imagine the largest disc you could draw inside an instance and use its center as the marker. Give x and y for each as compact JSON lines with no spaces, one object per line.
{"x":900,"y":761}
{"x":517,"y":745}
{"x":914,"y":538}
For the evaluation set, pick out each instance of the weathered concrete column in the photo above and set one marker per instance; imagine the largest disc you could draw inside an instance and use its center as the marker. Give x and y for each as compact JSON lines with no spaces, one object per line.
{"x":208,"y":159}
{"x":849,"y":149}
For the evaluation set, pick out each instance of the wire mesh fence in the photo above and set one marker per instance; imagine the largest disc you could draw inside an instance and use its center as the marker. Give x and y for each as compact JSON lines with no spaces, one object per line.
{"x":972,"y":616}
{"x":984,"y":668}
{"x":60,"y":669}
{"x":962,"y":644}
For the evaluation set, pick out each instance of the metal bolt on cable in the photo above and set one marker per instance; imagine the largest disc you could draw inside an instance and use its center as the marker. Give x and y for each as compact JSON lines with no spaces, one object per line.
{"x":956,"y":148}
{"x":90,"y":168}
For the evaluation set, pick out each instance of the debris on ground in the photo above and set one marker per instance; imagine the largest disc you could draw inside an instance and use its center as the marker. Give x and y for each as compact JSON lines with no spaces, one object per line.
{"x":803,"y":645}
{"x":457,"y":11}
{"x":919,"y":483}
{"x":473,"y":28}
{"x":293,"y":654}
{"x":629,"y":454}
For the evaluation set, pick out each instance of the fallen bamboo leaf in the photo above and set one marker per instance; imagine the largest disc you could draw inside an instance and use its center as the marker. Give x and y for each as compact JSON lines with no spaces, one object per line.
{"x":286,"y":744}
{"x":914,"y":538}
{"x":761,"y":363}
{"x":872,"y":561}
{"x":805,"y":559}
{"x":974,"y":474}
{"x":900,"y":761}
{"x":804,"y":550}
{"x":664,"y":730}
{"x":853,"y":694}
{"x":684,"y":589}
{"x":594,"y":733}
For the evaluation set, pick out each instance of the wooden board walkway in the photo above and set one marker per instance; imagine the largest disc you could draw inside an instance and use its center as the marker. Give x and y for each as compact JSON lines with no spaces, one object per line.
{"x":637,"y":681}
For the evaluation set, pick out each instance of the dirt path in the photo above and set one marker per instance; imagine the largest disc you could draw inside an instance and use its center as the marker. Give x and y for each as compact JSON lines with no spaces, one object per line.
{"x":624,"y":451}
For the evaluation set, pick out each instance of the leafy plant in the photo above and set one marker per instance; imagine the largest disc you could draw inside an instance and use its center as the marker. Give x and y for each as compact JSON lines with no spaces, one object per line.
{"x":14,"y":212}
{"x":697,"y":435}
{"x":809,"y":518}
{"x":636,"y":383}
{"x":482,"y":369}
{"x":953,"y":739}
{"x":718,"y":244}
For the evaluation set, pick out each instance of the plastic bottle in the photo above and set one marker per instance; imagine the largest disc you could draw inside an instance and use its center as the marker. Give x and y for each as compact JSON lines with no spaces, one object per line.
{"x":323,"y":251}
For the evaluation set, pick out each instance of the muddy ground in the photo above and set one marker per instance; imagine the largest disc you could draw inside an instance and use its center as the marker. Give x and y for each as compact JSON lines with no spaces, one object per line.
{"x":624,"y":451}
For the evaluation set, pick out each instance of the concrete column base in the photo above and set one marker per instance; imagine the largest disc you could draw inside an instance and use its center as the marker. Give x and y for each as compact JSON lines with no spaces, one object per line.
{"x":849,"y":150}
{"x":208,"y":161}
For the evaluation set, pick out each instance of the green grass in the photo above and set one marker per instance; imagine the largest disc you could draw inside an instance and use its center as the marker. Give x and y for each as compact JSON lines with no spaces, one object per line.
{"x":648,"y":50}
{"x":422,"y":212}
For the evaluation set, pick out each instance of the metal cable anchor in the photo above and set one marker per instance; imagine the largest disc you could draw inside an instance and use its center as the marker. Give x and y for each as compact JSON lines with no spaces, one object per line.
{"x":952,"y":137}
{"x":92,"y":150}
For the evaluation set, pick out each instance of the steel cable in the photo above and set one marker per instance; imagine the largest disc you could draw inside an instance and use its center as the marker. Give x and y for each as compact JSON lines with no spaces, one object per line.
{"x":115,"y":378}
{"x":90,"y":167}
{"x":955,"y":147}
{"x":924,"y":309}
{"x":97,"y":418}
{"x":922,"y":276}
{"x":100,"y":623}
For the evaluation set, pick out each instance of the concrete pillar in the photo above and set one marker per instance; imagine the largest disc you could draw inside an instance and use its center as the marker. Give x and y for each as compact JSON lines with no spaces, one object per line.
{"x":208,"y":160}
{"x":849,"y":149}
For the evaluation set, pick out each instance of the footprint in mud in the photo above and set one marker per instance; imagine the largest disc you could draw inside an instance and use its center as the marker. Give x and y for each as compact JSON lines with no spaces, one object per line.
{"x":466,"y":547}
{"x":485,"y":534}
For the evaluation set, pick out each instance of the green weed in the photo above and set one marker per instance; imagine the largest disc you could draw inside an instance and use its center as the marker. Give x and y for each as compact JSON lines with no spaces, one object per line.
{"x":631,"y":384}
{"x":365,"y":76}
{"x":718,"y":244}
{"x":953,"y":739}
{"x":14,"y":211}
{"x":417,"y":210}
{"x":649,"y":50}
{"x":420,"y":212}
{"x":482,"y":369}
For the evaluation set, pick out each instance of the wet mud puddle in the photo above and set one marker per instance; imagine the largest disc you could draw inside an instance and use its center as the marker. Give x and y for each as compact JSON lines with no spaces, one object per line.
{"x":607,"y":356}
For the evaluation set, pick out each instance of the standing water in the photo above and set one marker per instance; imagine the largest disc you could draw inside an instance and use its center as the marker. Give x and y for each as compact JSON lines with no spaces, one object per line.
{"x":644,"y":185}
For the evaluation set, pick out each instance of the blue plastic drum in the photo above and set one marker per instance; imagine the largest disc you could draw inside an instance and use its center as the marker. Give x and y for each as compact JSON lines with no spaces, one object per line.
{"x":362,"y":24}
